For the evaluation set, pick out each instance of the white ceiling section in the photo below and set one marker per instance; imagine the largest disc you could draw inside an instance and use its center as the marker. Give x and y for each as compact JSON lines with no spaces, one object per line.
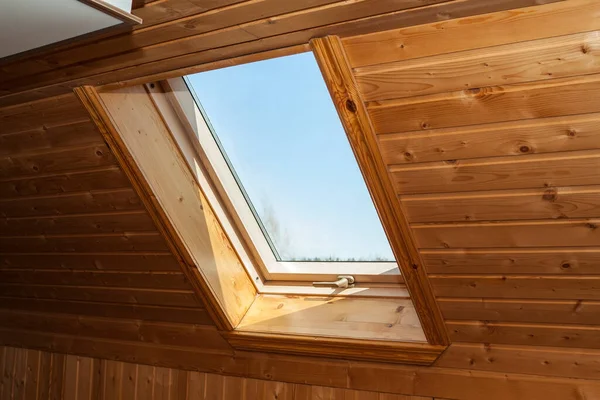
{"x":29,"y":24}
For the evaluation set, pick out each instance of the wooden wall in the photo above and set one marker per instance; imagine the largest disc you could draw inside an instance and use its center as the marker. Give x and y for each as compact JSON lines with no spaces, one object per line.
{"x":37,"y":375}
{"x":79,"y":255}
{"x":490,"y":130}
{"x":181,"y":33}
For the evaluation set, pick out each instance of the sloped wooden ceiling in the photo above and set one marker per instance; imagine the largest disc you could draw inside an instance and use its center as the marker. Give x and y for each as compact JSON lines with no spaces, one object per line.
{"x":490,"y":133}
{"x":79,"y":255}
{"x":488,"y":126}
{"x":178,"y":34}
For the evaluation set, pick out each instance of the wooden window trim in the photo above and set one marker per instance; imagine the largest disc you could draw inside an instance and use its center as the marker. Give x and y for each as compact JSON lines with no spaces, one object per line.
{"x":234,"y":315}
{"x":338,"y":75}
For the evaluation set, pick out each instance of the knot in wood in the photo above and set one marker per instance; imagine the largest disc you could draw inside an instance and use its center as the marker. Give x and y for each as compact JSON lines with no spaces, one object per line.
{"x":550,"y":195}
{"x":524,"y":149}
{"x":351,"y":106}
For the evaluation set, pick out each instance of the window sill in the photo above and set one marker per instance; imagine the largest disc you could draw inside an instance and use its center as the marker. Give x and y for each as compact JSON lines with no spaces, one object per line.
{"x":375,"y":329}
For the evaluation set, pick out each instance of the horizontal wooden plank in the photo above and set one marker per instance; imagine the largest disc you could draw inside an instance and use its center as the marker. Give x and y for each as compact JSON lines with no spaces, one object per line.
{"x":193,"y":315}
{"x":115,"y":222}
{"x":559,"y":260}
{"x":170,"y":15}
{"x":198,"y":24}
{"x":517,"y":286}
{"x":187,"y":59}
{"x":392,"y":380}
{"x":71,"y":203}
{"x":547,"y":361}
{"x":132,"y":242}
{"x":149,"y":280}
{"x":542,"y":233}
{"x":159,"y":333}
{"x":44,"y":139}
{"x":144,"y":48}
{"x":492,"y":29}
{"x":525,"y":334}
{"x":538,"y":136}
{"x":160,"y":11}
{"x":582,"y":312}
{"x":56,"y":161}
{"x":562,"y":202}
{"x":488,"y":105}
{"x":103,"y":262}
{"x":78,"y":181}
{"x":76,"y":224}
{"x":512,"y":172}
{"x":44,"y":113}
{"x":163,"y":298}
{"x":550,"y":58}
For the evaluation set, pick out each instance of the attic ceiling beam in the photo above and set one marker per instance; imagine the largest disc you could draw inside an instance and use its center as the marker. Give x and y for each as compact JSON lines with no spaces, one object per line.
{"x":336,"y":70}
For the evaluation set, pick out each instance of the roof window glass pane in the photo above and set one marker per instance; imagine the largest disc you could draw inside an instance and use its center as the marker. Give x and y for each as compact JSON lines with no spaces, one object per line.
{"x":278,"y":129}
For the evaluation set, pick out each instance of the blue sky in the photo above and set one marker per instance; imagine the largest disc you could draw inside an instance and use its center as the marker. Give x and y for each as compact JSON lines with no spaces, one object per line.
{"x":280,"y":130}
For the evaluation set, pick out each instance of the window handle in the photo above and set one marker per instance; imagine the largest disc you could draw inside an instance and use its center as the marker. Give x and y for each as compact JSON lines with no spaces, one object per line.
{"x":343,"y":281}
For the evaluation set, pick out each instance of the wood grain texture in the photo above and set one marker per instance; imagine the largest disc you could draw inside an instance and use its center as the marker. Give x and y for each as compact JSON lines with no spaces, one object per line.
{"x":342,"y":87}
{"x":100,"y":201}
{"x":44,"y":139}
{"x":158,"y":333}
{"x":260,"y":31}
{"x":575,"y":363}
{"x":577,"y":168}
{"x":188,"y":315}
{"x":498,"y":205}
{"x":78,"y":252}
{"x":173,"y":199}
{"x":152,"y":261}
{"x":517,"y":286}
{"x":577,"y":336}
{"x":63,"y":160}
{"x":87,"y":180}
{"x":581,"y":312}
{"x":273,"y":378}
{"x":570,"y":233}
{"x":113,"y":222}
{"x":85,"y":378}
{"x":402,"y":351}
{"x":537,"y":136}
{"x":460,"y":34}
{"x":153,"y":297}
{"x":337,"y":317}
{"x":487,"y":105}
{"x":534,"y":261}
{"x":530,"y":61}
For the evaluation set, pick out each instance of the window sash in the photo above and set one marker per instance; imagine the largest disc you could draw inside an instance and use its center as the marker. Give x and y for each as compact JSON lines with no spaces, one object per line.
{"x":256,"y":239}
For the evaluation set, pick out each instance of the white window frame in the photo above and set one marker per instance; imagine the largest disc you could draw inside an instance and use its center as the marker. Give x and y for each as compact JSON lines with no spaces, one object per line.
{"x":271,"y":270}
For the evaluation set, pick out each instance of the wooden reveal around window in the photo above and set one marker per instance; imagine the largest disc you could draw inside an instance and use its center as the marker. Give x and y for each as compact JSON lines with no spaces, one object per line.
{"x":336,"y":70}
{"x":134,"y":130}
{"x":145,"y":133}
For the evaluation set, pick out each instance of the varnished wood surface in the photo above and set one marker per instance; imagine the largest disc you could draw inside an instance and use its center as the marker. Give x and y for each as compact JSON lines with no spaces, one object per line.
{"x":304,"y":378}
{"x":173,"y":198}
{"x":513,"y":262}
{"x":338,"y":76}
{"x":33,"y":374}
{"x":488,"y":129}
{"x":79,"y":254}
{"x":180,"y":34}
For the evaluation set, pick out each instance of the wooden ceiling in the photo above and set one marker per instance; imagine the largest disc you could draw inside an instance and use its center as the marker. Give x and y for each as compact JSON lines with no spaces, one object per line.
{"x":488,"y":127}
{"x":179,"y":34}
{"x":493,"y":152}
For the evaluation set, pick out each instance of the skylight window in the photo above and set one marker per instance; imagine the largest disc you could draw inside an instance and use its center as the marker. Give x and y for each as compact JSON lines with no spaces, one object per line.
{"x":293,"y":178}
